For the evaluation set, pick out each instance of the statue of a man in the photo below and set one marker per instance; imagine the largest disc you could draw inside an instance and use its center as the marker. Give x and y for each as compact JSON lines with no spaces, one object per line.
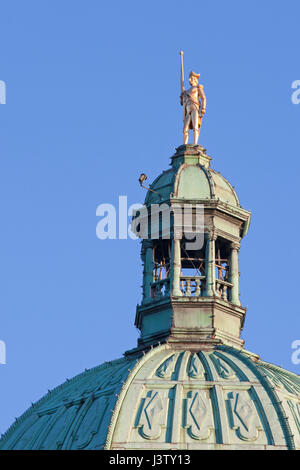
{"x":194,"y":103}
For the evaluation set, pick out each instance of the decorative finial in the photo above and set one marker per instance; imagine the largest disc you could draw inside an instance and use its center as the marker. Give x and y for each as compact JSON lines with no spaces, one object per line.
{"x":193,"y":101}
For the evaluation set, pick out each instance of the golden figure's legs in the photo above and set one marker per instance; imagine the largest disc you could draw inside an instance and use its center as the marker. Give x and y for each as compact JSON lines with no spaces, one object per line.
{"x":195,"y":121}
{"x":186,"y":128}
{"x":195,"y":118}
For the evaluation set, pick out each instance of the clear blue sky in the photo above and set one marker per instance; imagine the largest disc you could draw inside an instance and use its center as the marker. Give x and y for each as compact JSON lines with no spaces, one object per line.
{"x":92,"y":101}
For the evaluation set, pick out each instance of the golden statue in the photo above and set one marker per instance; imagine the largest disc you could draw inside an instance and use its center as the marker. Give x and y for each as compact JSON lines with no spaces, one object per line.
{"x":193,"y":101}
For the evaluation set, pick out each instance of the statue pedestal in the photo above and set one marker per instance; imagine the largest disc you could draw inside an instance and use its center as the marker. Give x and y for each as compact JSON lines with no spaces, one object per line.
{"x":192,"y":155}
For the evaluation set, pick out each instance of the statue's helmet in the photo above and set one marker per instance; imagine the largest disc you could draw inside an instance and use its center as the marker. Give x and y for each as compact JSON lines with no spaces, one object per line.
{"x":193,"y":74}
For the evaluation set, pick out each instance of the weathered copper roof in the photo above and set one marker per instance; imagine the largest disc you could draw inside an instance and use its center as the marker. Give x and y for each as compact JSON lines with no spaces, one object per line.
{"x":192,"y":178}
{"x":168,"y":399}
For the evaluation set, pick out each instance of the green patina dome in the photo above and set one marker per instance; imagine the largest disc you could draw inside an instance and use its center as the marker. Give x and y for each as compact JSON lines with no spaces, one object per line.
{"x":168,"y":399}
{"x":189,"y":383}
{"x":191,"y":178}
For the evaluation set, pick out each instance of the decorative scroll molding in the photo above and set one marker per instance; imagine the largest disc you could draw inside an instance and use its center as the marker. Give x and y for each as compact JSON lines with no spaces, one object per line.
{"x":153,"y":415}
{"x":244,"y":417}
{"x":165,"y":370}
{"x":195,"y":368}
{"x":199,"y":421}
{"x":223,"y":369}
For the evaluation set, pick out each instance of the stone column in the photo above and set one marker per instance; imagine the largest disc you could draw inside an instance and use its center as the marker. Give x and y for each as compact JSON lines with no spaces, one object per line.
{"x":148,"y":270}
{"x":210,"y":273}
{"x":234,"y":273}
{"x":176,"y":267}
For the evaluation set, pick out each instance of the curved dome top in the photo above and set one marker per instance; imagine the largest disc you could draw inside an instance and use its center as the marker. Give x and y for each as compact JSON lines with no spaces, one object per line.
{"x":191,"y":178}
{"x":168,"y":399}
{"x":75,"y":415}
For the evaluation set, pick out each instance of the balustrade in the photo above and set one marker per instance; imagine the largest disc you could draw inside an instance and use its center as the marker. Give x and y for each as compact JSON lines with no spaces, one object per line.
{"x":223,"y":289}
{"x":160,"y":289}
{"x":192,"y":286}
